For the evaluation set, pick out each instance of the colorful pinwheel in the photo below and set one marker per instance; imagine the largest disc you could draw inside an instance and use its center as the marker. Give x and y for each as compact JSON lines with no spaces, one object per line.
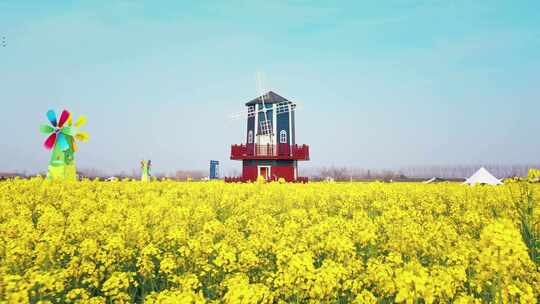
{"x":62,"y":136}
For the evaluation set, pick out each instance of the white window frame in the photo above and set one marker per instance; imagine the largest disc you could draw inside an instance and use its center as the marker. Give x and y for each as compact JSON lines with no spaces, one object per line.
{"x":268,"y":171}
{"x":282,"y":137}
{"x":250,"y":136}
{"x":251,"y":111}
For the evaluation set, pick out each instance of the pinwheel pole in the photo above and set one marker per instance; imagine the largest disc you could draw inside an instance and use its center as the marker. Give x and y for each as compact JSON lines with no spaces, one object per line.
{"x":62,"y":164}
{"x":62,"y":141}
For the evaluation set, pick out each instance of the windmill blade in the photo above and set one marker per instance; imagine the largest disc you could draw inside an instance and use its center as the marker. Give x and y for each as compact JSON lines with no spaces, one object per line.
{"x":46,"y":129}
{"x":250,"y":112}
{"x":82,"y":136}
{"x":259,"y":82}
{"x":298,"y":105}
{"x":80,"y":121}
{"x":74,"y":145}
{"x":52,"y":117}
{"x":62,"y":141}
{"x":70,"y":120}
{"x":69,"y":131}
{"x":237,"y":116}
{"x":266,"y":124}
{"x":50,"y":141}
{"x":267,"y":128}
{"x":63,"y":118}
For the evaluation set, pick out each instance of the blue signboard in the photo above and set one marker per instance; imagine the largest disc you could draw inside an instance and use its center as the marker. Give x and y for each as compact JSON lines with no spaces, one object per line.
{"x":214,"y":169}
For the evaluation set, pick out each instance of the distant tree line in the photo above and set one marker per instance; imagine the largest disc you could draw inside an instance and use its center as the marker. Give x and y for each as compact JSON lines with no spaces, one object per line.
{"x":415,"y":172}
{"x":337,"y":173}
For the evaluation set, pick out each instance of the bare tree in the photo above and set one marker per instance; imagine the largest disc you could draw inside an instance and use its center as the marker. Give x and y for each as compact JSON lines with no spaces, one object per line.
{"x":185,"y":174}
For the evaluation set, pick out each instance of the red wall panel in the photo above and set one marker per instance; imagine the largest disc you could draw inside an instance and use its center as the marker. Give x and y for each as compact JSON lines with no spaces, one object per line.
{"x":249,"y":173}
{"x":250,"y":149}
{"x":287,"y":172}
{"x":284,"y":149}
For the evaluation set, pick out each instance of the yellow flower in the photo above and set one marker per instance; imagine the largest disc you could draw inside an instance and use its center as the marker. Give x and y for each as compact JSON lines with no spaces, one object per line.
{"x":186,"y":242}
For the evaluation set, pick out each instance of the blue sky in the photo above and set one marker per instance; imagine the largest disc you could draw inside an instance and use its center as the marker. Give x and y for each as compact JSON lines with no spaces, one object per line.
{"x":384,"y":84}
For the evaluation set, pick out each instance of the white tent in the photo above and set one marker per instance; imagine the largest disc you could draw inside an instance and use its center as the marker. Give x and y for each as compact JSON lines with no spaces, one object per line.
{"x":429,"y":181}
{"x":482,"y":176}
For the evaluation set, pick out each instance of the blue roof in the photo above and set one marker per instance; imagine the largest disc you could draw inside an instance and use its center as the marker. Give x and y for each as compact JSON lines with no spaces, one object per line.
{"x":269,"y":98}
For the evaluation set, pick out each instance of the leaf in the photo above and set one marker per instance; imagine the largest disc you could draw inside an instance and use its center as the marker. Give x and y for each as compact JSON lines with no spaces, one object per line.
{"x":81,"y":121}
{"x":82,"y":136}
{"x":46,"y":129}
{"x":68,"y":131}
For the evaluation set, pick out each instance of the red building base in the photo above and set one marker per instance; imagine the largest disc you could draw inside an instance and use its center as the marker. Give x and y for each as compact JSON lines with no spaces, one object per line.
{"x":266,"y":162}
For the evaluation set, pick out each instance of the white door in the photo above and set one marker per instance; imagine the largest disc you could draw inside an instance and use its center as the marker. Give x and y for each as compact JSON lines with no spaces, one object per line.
{"x":264,"y":171}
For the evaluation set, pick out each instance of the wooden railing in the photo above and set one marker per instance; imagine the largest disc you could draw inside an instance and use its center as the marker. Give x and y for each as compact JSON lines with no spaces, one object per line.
{"x":240,"y":179}
{"x":280,"y":151}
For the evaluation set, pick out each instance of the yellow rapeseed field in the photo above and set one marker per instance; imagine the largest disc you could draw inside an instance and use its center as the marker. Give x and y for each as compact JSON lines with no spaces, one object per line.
{"x":186,"y":242}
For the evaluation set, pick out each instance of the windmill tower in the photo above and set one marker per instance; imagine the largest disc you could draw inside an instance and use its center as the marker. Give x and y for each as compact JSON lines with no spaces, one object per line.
{"x":270,"y":150}
{"x":146,"y":165}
